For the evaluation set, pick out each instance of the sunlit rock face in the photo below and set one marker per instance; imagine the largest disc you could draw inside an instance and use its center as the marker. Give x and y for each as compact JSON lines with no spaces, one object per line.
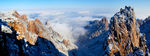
{"x":10,"y":45}
{"x":31,"y":30}
{"x":125,"y":38}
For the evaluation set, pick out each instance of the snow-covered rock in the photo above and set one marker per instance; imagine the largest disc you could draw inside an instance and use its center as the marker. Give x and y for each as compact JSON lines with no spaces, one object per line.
{"x":5,"y":29}
{"x":31,"y":30}
{"x":125,"y":35}
{"x":91,"y":44}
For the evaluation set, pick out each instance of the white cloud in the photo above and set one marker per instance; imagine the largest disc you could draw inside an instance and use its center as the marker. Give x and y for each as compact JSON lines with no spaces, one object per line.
{"x":142,"y":14}
{"x":69,"y":23}
{"x":64,"y":30}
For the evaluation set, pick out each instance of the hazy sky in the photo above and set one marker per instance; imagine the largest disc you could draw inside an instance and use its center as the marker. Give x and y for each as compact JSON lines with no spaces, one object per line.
{"x":138,"y":5}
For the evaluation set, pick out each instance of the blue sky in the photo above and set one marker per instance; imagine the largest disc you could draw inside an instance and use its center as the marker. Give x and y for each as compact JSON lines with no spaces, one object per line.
{"x":141,"y":6}
{"x":105,"y":4}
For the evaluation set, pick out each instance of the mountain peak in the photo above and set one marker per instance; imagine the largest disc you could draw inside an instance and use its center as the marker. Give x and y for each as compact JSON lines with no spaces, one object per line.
{"x":14,"y":13}
{"x":125,"y":38}
{"x":31,"y":30}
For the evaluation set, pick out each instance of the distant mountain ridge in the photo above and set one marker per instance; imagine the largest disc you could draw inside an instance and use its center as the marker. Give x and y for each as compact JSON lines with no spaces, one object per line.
{"x":144,"y":28}
{"x":121,"y":37}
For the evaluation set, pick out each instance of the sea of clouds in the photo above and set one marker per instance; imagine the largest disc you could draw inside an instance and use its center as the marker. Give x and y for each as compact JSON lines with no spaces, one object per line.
{"x":67,"y":22}
{"x":70,"y":22}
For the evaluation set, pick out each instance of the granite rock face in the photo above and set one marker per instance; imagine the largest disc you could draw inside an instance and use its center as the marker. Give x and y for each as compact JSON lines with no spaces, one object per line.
{"x":11,"y":46}
{"x":32,"y":31}
{"x":125,"y":37}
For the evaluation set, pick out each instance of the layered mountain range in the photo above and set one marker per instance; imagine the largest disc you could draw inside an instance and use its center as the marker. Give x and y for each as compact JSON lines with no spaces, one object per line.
{"x":123,"y":36}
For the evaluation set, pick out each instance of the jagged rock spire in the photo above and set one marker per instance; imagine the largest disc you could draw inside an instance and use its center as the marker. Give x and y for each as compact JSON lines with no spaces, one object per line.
{"x":125,"y":38}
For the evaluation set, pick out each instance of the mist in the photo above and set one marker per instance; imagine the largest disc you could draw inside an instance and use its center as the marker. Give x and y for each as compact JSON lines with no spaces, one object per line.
{"x":68,"y":23}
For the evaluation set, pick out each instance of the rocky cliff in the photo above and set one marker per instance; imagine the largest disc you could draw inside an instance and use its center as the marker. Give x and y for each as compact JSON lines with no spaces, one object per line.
{"x":144,"y":28}
{"x":125,"y":37}
{"x":91,"y":44}
{"x":31,"y":31}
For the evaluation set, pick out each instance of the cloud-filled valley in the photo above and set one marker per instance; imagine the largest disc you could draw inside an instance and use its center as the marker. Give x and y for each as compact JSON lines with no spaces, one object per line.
{"x":75,"y":32}
{"x":69,"y":23}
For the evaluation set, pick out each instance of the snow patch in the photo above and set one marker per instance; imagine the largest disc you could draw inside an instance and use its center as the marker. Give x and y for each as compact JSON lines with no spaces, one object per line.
{"x":110,"y":46}
{"x":5,"y":29}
